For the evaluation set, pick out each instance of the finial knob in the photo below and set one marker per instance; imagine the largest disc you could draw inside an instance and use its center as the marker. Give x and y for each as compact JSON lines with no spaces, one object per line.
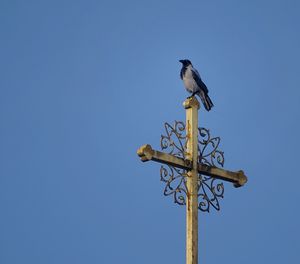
{"x":191,"y":102}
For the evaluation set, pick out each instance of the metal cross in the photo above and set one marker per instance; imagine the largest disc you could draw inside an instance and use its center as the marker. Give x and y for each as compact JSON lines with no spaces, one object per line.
{"x":190,"y":160}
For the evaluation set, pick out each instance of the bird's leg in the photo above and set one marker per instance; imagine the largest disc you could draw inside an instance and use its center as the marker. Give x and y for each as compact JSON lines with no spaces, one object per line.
{"x":193,"y":94}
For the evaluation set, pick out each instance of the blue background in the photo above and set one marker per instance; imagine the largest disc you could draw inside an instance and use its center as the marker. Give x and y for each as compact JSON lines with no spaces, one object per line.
{"x":84,"y":83}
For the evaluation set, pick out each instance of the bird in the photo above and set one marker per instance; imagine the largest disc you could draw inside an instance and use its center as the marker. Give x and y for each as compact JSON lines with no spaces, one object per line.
{"x":193,"y":83}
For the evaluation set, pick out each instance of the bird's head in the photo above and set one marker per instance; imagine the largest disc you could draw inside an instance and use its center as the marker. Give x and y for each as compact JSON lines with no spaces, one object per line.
{"x":185,"y":62}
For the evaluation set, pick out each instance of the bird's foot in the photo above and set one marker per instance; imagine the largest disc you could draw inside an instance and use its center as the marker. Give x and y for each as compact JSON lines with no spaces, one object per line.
{"x":191,"y":96}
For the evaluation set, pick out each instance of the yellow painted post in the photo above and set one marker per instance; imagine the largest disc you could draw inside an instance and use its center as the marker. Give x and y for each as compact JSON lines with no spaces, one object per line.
{"x":192,"y":105}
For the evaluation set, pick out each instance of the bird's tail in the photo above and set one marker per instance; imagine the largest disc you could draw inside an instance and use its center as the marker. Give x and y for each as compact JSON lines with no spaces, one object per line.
{"x":208,"y":104}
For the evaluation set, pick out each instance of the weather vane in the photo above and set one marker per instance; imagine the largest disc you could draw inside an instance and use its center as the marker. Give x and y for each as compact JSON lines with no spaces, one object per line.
{"x":191,"y":170}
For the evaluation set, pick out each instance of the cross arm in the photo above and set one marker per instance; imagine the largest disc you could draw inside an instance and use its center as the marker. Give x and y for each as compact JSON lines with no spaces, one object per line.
{"x":237,"y":178}
{"x":146,"y":153}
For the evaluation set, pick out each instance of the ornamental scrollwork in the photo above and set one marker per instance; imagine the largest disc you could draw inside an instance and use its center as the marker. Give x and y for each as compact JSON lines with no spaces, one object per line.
{"x":209,"y":189}
{"x":208,"y":152}
{"x":175,"y":180}
{"x":173,"y":141}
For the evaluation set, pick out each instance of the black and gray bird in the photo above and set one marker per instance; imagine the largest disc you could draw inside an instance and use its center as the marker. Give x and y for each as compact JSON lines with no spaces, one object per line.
{"x":193,"y":83}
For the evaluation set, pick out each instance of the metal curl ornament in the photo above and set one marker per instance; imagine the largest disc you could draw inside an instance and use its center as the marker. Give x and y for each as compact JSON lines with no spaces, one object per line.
{"x":174,"y":143}
{"x":175,"y":183}
{"x":209,"y":189}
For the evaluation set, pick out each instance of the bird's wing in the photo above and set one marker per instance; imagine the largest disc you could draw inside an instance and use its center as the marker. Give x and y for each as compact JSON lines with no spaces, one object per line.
{"x":198,"y":80}
{"x":182,"y":72}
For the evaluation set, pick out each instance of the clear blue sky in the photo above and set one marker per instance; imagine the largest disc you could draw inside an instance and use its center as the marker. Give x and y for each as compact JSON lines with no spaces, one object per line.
{"x":84,"y":83}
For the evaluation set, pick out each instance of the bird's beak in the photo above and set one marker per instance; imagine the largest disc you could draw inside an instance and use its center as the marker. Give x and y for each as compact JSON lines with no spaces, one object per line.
{"x":181,"y":61}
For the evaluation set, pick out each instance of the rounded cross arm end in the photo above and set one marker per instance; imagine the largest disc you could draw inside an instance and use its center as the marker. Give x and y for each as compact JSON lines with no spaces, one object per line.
{"x":145,"y":152}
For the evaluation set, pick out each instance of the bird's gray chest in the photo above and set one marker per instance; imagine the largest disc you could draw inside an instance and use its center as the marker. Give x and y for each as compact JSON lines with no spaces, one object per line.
{"x":189,"y":82}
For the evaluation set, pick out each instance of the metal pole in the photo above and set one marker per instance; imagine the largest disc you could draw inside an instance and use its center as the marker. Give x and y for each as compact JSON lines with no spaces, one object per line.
{"x":192,"y":105}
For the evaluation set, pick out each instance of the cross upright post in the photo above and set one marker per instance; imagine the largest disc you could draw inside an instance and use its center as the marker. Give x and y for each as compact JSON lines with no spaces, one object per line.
{"x":192,"y":105}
